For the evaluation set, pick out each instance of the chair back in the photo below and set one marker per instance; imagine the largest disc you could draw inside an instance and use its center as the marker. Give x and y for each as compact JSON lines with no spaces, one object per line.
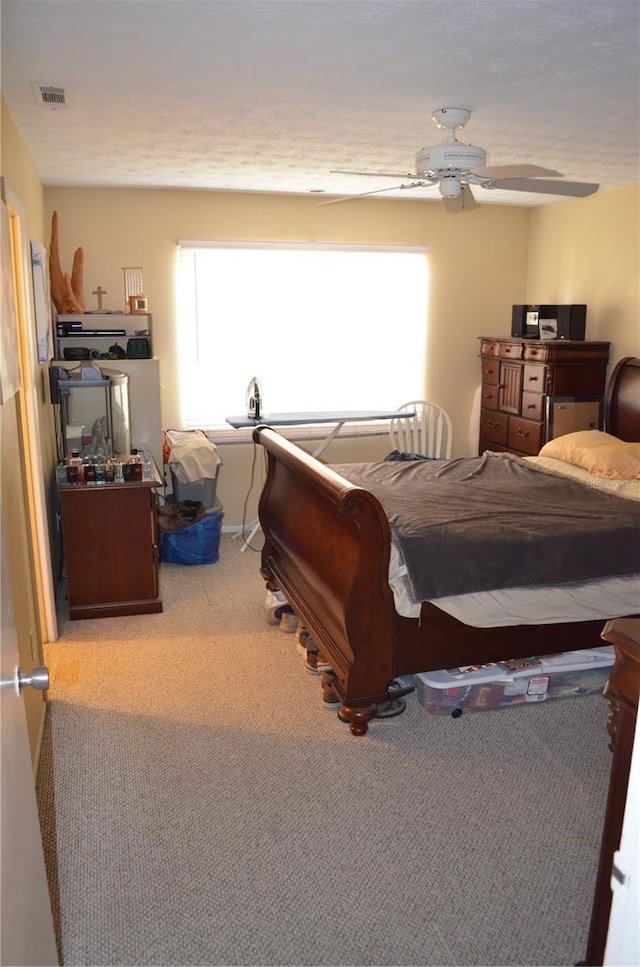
{"x":428,"y":433}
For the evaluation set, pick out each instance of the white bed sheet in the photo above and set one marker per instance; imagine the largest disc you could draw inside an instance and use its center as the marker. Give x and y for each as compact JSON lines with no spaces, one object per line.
{"x":590,"y":601}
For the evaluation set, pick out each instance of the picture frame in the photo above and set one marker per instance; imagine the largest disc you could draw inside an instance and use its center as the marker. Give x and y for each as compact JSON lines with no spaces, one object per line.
{"x":548,"y":328}
{"x":42,"y":301}
{"x":138,"y":304}
{"x":133,"y":284}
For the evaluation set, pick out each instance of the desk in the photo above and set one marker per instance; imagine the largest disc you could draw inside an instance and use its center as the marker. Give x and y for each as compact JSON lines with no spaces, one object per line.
{"x":334,"y":419}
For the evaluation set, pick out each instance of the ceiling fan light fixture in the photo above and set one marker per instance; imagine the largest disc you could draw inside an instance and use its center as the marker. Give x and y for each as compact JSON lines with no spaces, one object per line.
{"x":450,"y":187}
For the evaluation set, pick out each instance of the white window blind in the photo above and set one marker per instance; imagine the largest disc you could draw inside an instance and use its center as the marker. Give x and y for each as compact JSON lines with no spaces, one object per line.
{"x":321,"y":327}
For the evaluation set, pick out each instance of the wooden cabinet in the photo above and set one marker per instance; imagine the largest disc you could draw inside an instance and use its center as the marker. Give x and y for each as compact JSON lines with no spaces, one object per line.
{"x":621,"y":692}
{"x":110,"y":539}
{"x":518,"y":377}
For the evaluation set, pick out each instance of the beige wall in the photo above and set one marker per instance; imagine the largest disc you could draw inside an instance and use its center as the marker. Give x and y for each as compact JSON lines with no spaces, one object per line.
{"x":138,"y":227}
{"x":481,"y":263}
{"x":587,"y":250}
{"x":22,"y":175}
{"x":478,"y":269}
{"x":20,"y":171}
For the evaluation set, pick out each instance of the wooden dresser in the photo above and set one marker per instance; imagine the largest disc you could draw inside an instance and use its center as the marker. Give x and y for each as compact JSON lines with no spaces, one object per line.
{"x":518,"y":376}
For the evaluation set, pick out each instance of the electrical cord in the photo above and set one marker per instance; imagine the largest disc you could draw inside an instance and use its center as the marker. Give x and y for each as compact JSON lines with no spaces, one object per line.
{"x":254,"y":461}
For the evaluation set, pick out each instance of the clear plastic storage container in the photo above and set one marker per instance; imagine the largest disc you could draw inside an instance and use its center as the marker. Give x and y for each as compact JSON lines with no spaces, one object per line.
{"x":503,"y":684}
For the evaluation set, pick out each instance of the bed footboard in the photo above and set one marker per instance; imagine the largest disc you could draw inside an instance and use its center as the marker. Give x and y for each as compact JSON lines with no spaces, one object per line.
{"x":327,"y":546}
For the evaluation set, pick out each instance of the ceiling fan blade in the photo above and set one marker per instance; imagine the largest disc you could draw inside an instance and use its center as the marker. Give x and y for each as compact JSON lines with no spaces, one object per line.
{"x":362,"y":194}
{"x":374,"y":174}
{"x":575,"y":189}
{"x":463,"y":202}
{"x":516,"y":171}
{"x":378,"y":191}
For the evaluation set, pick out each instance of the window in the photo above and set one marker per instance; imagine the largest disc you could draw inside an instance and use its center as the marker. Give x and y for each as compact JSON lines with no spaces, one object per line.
{"x":321,"y":327}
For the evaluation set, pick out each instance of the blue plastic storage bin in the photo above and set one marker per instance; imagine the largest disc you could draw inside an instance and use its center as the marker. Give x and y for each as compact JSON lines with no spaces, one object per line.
{"x":197,"y":544}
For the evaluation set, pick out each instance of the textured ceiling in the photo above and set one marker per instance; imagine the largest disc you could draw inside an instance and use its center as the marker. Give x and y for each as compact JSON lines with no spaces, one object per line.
{"x":271,"y":95}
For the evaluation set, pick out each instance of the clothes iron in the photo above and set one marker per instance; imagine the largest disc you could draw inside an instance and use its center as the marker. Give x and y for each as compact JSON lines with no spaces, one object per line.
{"x":254,"y":400}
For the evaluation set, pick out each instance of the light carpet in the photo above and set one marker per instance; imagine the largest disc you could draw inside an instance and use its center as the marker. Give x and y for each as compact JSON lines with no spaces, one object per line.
{"x":199,"y":806}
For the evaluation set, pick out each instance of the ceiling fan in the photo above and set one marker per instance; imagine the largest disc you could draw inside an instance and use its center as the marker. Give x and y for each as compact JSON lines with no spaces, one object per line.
{"x":455,"y":167}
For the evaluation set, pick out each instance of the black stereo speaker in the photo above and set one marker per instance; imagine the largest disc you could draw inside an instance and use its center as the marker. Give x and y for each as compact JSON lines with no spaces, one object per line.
{"x":535,"y":322}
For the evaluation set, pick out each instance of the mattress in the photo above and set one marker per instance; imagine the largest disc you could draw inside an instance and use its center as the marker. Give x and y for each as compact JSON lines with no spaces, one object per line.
{"x":592,"y":600}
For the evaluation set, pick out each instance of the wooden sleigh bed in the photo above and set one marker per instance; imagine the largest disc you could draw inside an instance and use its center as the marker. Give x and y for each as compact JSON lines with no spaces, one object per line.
{"x":327,"y":547}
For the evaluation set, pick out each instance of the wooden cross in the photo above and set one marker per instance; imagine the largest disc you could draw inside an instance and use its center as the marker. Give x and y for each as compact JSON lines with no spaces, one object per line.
{"x":99,"y":292}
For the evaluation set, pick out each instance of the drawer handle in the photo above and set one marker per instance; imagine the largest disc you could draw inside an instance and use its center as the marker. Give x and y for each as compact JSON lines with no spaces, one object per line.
{"x":523,"y":433}
{"x":534,"y":379}
{"x":531,"y":406}
{"x":494,"y":426}
{"x":488,"y":396}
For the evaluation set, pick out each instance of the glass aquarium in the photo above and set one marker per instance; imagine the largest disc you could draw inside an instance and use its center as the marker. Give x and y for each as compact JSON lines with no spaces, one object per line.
{"x":94,"y":419}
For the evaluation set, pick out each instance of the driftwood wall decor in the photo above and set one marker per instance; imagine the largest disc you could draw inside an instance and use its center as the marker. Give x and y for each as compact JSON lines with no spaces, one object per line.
{"x":66,"y":291}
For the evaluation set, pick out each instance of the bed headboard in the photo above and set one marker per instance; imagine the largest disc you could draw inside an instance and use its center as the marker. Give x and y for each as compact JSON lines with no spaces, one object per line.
{"x":622,"y":404}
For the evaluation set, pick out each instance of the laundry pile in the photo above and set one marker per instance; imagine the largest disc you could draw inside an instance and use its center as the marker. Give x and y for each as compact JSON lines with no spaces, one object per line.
{"x":173,"y":517}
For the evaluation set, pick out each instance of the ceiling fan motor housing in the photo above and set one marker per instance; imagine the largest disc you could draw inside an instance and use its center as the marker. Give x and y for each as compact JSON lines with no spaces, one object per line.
{"x":451,"y":156}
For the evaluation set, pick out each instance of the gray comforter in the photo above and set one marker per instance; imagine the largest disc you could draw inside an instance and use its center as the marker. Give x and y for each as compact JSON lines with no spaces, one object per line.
{"x":496,"y":521}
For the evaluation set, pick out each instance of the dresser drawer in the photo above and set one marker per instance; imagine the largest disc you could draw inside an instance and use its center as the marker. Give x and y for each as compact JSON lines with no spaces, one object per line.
{"x":534,"y":380}
{"x":525,"y":436}
{"x":490,"y":371}
{"x":489,"y":347}
{"x":494,"y":426}
{"x":489,"y":397}
{"x":533,"y":406}
{"x":511,"y":350}
{"x":539,"y":351}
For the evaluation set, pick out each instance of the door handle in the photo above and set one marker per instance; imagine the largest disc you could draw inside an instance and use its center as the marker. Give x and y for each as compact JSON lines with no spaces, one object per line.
{"x":38,"y":678}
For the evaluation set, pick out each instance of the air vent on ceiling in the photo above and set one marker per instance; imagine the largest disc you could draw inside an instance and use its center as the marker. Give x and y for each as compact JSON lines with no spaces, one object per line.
{"x":50,"y":96}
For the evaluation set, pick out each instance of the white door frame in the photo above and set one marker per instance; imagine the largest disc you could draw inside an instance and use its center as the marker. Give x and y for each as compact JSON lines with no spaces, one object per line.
{"x":35,"y":496}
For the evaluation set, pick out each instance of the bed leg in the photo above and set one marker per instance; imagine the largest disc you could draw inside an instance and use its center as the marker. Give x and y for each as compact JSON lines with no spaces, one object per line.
{"x":358,"y":716}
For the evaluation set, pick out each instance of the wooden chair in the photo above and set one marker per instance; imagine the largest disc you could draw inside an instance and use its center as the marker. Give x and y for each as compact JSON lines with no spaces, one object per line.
{"x":428,"y":433}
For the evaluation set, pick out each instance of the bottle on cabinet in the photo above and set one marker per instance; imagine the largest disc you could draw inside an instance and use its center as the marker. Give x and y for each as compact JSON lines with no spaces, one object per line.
{"x":132,"y":469}
{"x":75,"y":469}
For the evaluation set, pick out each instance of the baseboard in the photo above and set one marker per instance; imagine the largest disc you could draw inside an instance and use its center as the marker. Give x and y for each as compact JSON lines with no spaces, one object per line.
{"x":36,"y":751}
{"x":232,"y":529}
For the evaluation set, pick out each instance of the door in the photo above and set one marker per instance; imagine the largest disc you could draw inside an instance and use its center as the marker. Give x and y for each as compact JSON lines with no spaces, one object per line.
{"x":27,"y":934}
